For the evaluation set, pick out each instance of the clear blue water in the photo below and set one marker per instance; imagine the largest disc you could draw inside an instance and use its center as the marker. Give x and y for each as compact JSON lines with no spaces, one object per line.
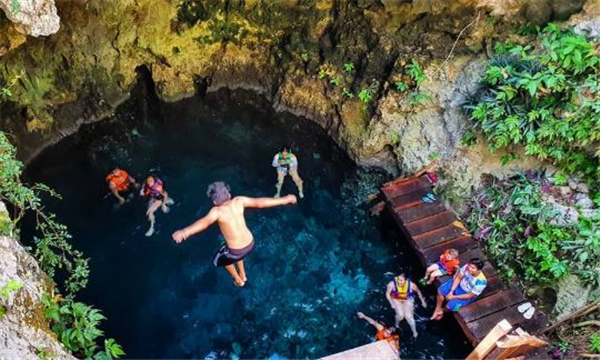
{"x":314,"y":266}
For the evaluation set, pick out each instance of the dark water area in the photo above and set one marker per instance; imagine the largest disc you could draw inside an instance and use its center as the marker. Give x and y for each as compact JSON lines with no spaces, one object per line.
{"x":315,"y":264}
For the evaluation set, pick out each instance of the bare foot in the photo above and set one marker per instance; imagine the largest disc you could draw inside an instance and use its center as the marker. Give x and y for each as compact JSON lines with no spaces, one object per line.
{"x":239,"y":283}
{"x":437,"y":315}
{"x":243,"y":277}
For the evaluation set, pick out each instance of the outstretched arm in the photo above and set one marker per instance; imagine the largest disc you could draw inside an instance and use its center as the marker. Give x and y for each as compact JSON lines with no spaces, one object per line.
{"x":416,"y":289}
{"x":377,"y":325}
{"x":262,"y":203}
{"x":180,"y":235}
{"x":388,"y":293}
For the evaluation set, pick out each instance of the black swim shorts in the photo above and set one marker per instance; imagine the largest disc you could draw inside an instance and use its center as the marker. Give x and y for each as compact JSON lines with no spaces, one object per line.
{"x":226,"y":256}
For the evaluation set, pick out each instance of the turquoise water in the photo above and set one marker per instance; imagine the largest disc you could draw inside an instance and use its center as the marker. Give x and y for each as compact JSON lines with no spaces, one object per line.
{"x":315,"y":264}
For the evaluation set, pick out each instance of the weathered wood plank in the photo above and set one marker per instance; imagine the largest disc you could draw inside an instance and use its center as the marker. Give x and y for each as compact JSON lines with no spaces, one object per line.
{"x":446,"y":233}
{"x":431,"y":223}
{"x":480,"y":328}
{"x":462,"y":244}
{"x":419,"y":212}
{"x":491,"y":304}
{"x":407,"y":187}
{"x":407,"y":201}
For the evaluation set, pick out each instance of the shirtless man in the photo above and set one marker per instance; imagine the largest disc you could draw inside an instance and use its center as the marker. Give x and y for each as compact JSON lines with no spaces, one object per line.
{"x":228,"y":213}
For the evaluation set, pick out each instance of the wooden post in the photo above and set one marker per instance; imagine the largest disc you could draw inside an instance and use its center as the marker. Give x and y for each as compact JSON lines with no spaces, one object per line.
{"x":489,"y":342}
{"x":514,"y":346}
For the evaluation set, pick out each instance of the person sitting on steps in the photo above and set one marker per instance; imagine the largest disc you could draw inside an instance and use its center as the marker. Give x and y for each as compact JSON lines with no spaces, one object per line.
{"x":463,"y":289}
{"x":446,"y":265}
{"x":287,"y":163}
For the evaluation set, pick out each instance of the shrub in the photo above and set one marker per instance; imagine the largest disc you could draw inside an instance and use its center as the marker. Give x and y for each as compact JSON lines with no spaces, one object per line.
{"x":545,"y":98}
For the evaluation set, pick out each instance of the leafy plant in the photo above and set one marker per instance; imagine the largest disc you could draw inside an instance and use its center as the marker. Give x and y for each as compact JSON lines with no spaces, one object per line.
{"x":349,"y":66}
{"x":366,"y":95}
{"x":544,"y":97}
{"x":401,"y":86}
{"x":15,"y":6}
{"x":304,"y":57}
{"x":76,"y":325}
{"x":419,"y":98}
{"x":347,"y":93}
{"x":10,"y":287}
{"x":322,"y":74}
{"x":469,"y":138}
{"x":594,"y":343}
{"x":335,"y":81}
{"x":416,"y":73}
{"x":560,"y":179}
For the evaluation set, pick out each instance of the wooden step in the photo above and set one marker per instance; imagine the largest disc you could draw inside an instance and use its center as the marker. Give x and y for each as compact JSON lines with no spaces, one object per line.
{"x":430,"y":223}
{"x":481,"y":308}
{"x":407,"y":201}
{"x":419,"y":212}
{"x":461,"y":243}
{"x":446,"y":233}
{"x":407,"y":187}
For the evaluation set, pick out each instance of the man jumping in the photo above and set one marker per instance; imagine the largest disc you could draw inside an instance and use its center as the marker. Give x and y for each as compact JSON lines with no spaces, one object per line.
{"x":229,"y":214}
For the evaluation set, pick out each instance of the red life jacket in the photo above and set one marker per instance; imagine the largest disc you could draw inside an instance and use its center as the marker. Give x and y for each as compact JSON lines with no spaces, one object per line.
{"x":121,"y":180}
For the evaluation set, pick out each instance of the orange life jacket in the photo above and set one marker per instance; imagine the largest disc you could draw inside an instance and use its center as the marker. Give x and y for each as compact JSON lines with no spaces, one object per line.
{"x":382,"y":336}
{"x":449,"y":265}
{"x":121,"y":180}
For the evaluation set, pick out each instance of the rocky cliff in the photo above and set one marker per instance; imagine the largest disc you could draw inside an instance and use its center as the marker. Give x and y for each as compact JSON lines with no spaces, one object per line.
{"x":292,"y":51}
{"x":24,"y":332}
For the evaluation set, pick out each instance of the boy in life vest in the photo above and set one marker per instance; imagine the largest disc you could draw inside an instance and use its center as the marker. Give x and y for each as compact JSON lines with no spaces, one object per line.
{"x":287,"y":163}
{"x":159,"y":198}
{"x":446,"y":265}
{"x":119,"y":181}
{"x":228,"y":213}
{"x":400,"y":293}
{"x":383,"y":332}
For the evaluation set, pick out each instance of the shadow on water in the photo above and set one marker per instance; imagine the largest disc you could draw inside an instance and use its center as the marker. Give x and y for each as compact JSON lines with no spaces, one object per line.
{"x":315,"y":264}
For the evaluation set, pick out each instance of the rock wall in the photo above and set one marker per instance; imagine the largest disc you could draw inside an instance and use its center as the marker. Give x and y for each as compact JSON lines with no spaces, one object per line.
{"x":24,"y":332}
{"x":279,"y":48}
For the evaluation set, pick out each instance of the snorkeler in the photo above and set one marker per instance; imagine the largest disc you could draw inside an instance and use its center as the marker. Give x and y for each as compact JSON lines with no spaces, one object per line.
{"x":159,"y":198}
{"x":228,"y":213}
{"x":287,"y":163}
{"x":119,"y":181}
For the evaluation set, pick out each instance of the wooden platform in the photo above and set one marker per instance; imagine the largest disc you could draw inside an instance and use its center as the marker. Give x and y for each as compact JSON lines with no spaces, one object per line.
{"x":431,"y":228}
{"x":381,"y":350}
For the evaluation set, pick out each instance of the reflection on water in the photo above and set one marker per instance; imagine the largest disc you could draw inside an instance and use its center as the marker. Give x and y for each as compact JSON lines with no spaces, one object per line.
{"x":314,"y":266}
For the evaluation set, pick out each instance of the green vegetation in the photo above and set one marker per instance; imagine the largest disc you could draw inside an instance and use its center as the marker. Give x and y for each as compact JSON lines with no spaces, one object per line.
{"x":544,"y":96}
{"x":349,"y":67}
{"x":366,"y":95}
{"x":304,"y":57}
{"x":411,"y":80}
{"x":15,"y":6}
{"x":335,"y":81}
{"x":5,"y":291}
{"x":401,"y":86}
{"x":75,"y":324}
{"x":516,"y":228}
{"x":347,"y":93}
{"x":594,"y":343}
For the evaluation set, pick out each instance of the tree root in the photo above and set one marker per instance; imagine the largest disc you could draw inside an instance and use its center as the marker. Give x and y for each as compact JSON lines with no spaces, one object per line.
{"x":587,"y":323}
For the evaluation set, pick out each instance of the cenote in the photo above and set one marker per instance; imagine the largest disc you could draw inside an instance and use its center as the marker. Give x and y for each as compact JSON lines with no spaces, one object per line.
{"x":315,"y":264}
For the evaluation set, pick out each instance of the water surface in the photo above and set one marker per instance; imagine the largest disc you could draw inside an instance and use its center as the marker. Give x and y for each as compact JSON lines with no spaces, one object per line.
{"x":315,"y":264}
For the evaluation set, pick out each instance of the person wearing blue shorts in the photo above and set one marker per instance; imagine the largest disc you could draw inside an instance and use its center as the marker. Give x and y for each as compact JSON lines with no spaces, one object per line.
{"x":463,"y":289}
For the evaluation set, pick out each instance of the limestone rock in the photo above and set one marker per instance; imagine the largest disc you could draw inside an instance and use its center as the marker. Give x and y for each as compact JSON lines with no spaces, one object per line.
{"x":32,"y":17}
{"x":588,"y":22}
{"x":583,"y":188}
{"x":24,"y":331}
{"x":571,"y":296}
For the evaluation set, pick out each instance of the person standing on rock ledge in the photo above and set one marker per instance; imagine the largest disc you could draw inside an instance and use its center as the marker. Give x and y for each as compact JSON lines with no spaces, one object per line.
{"x":287,"y":163}
{"x":228,"y":213}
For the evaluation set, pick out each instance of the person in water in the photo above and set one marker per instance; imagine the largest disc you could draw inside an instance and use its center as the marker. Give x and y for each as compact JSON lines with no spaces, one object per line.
{"x":383,"y":332}
{"x":463,"y":289}
{"x":287,"y":163}
{"x":159,"y":198}
{"x":119,"y":181}
{"x":400,"y":293}
{"x":228,"y":213}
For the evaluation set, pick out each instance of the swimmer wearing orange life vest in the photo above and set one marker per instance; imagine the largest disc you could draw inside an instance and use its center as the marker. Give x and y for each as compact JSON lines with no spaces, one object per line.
{"x":383,"y":332}
{"x":119,"y":181}
{"x":159,"y":198}
{"x":400,"y":293}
